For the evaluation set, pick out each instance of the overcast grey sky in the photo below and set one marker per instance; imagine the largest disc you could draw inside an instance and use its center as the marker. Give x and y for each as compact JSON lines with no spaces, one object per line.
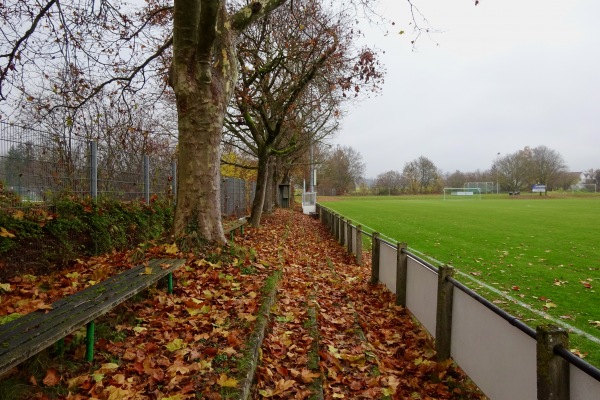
{"x":501,"y":76}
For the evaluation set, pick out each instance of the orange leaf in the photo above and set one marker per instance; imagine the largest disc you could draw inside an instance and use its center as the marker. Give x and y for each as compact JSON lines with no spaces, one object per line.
{"x":52,"y":378}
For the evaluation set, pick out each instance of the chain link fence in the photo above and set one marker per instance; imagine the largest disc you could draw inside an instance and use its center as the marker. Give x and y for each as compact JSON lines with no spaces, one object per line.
{"x":37,"y":167}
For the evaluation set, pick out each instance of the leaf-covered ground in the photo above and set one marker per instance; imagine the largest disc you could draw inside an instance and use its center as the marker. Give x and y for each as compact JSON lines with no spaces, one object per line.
{"x":335,"y":336}
{"x":331,"y":334}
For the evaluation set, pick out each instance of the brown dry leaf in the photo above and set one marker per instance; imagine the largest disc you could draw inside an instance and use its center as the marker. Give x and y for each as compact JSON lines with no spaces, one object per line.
{"x":307,"y":376}
{"x":52,"y":378}
{"x":116,"y":393}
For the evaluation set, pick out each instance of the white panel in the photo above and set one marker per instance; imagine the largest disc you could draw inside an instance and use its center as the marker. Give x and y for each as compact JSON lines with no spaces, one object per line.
{"x":499,"y":358}
{"x":583,"y":386}
{"x":421,"y":294}
{"x":388,"y":260}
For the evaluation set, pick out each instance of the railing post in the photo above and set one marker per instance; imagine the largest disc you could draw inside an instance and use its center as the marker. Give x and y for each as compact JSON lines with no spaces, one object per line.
{"x":375,"y":245}
{"x":359,"y":260}
{"x":342,"y":230}
{"x":332,"y":227}
{"x":443,"y":325}
{"x":349,"y":236}
{"x":401,"y":272}
{"x":93,"y":170}
{"x":552,"y":370}
{"x":147,"y":178}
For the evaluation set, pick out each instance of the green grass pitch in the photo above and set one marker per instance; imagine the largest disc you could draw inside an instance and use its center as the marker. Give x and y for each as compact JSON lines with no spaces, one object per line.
{"x":538,"y":257}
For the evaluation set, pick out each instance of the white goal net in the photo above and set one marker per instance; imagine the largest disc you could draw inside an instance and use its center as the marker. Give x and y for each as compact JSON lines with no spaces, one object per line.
{"x":462,"y":193}
{"x":484,"y":187}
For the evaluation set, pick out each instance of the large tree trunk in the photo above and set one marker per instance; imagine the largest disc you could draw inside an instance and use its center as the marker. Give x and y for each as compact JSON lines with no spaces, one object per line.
{"x":203,"y":72}
{"x":261,"y":190}
{"x":199,"y":184}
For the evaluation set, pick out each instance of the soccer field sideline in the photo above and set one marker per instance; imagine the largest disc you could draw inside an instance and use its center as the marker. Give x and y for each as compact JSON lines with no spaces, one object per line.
{"x":540,"y":313}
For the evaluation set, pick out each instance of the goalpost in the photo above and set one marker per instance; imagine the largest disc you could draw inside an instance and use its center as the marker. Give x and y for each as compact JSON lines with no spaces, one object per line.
{"x":462,"y":193}
{"x":484,"y":187}
{"x":585,"y":187}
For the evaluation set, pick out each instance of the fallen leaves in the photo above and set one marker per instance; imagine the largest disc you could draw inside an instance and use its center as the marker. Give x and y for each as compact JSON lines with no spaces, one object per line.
{"x":366,"y":347}
{"x":330,"y":330}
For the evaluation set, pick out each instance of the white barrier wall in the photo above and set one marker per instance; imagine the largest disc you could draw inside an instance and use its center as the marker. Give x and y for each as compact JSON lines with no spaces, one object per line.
{"x":421,"y":293}
{"x":388,"y":260}
{"x":496,"y":355}
{"x":583,"y":386}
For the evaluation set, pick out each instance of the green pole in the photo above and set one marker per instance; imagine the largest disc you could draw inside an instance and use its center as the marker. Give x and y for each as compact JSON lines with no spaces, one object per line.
{"x":60,"y":347}
{"x":170,"y":283}
{"x":89,"y":350}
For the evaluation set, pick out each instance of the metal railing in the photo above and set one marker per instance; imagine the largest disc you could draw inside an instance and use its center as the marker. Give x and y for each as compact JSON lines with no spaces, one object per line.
{"x":493,"y":347}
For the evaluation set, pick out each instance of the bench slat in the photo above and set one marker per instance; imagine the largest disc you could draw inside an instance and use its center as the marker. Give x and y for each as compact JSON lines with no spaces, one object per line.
{"x":74,"y":312}
{"x":65,"y":305}
{"x":58,"y":307}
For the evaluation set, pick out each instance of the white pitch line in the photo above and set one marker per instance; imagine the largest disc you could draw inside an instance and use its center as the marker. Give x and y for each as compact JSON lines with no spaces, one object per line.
{"x":504,"y":295}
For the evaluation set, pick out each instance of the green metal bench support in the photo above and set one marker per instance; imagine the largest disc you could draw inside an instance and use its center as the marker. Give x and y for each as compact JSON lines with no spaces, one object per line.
{"x":89,"y":338}
{"x":230,"y":227}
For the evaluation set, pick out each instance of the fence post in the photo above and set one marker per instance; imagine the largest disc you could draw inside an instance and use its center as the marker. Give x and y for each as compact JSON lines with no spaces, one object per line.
{"x":147,"y":178}
{"x":552,"y":370}
{"x":342,"y":230}
{"x":93,"y":169}
{"x":375,"y":259}
{"x":443,"y":325}
{"x":349,"y":236}
{"x":359,"y":260}
{"x":174,"y":181}
{"x":401,"y":272}
{"x":334,"y":225}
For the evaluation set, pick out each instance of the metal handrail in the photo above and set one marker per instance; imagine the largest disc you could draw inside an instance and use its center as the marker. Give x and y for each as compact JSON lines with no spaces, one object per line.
{"x":514,"y":321}
{"x":578,"y":362}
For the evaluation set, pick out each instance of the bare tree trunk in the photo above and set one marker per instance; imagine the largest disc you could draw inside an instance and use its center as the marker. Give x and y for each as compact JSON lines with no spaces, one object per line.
{"x":261,"y":189}
{"x":202,"y":75}
{"x":198,"y":179}
{"x":270,"y":192}
{"x":277,"y":180}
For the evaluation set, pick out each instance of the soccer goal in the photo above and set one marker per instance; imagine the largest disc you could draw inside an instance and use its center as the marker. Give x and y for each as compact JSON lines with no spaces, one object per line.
{"x":462,"y":193}
{"x":484,"y":187}
{"x":585,"y":187}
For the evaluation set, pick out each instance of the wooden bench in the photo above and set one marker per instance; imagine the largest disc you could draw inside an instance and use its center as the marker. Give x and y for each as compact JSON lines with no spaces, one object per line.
{"x":230,"y":226}
{"x":33,"y":332}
